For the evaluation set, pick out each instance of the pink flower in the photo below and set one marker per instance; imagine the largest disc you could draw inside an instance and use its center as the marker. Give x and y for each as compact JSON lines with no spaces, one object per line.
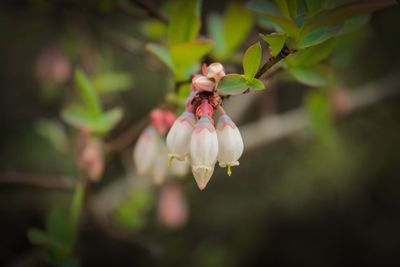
{"x":230,"y":143}
{"x":145,"y":150}
{"x":178,"y":138}
{"x":201,"y":82}
{"x":160,"y":168}
{"x":215,"y":71}
{"x":203,"y":151}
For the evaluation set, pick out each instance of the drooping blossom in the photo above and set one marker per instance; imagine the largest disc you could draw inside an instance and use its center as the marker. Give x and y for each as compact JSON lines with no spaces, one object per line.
{"x":230,"y":143}
{"x":179,"y":167}
{"x":145,"y":150}
{"x":172,"y":206}
{"x":160,"y":168}
{"x":178,"y":138}
{"x":203,"y":151}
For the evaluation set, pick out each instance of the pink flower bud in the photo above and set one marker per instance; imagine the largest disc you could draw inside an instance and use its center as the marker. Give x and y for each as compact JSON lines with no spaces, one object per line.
{"x":215,"y":71}
{"x":178,"y":138}
{"x":201,"y":82}
{"x":145,"y":150}
{"x":172,"y":206}
{"x":230,"y":143}
{"x":203,"y":151}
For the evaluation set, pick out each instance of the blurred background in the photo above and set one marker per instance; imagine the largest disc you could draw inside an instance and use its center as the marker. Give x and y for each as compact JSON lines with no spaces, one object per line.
{"x":318,"y":183}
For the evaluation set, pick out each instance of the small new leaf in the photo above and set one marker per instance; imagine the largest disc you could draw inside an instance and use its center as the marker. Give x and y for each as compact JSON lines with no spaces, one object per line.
{"x":232,"y":84}
{"x":87,"y":92}
{"x":276,"y":42}
{"x":251,"y":61}
{"x":255,"y":84}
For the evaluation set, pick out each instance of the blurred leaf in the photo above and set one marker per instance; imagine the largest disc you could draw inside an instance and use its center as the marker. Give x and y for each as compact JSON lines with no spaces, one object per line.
{"x":87,"y":92}
{"x":76,"y":205}
{"x":112,"y":81}
{"x":251,"y":61}
{"x":315,"y":6}
{"x":153,"y":29}
{"x":237,"y":24}
{"x":354,"y":23}
{"x":319,"y":112}
{"x":319,"y":36}
{"x":312,"y":55}
{"x":162,"y":54}
{"x":54,"y":132}
{"x":185,"y":21}
{"x":264,"y":9}
{"x":39,"y":237}
{"x":215,"y":28}
{"x":232,"y":84}
{"x":292,"y":6}
{"x":309,"y":76}
{"x":283,"y":7}
{"x":276,"y":42}
{"x":343,"y":13}
{"x":132,"y":212}
{"x":59,"y":228}
{"x":255,"y":84}
{"x":78,"y":117}
{"x":185,"y":54}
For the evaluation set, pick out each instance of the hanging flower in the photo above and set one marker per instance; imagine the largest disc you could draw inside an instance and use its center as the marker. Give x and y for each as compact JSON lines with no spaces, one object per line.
{"x":203,"y":151}
{"x":230,"y":143}
{"x":145,"y":150}
{"x":179,"y":167}
{"x":160,"y":168}
{"x":178,"y":138}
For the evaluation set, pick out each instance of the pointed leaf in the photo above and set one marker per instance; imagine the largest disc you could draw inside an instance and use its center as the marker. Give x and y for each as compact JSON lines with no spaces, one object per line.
{"x":162,"y":54}
{"x":276,"y":42}
{"x":185,"y":21}
{"x":87,"y":92}
{"x":232,"y":84}
{"x":255,"y":84}
{"x":309,"y":76}
{"x":216,"y":31}
{"x":252,"y":60}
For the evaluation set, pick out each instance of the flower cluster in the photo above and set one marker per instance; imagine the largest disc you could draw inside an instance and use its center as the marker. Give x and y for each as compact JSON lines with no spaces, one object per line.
{"x":193,"y":135}
{"x":150,"y":153}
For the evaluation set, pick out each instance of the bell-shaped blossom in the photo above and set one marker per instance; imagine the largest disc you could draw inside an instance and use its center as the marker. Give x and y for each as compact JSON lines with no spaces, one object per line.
{"x":201,"y":82}
{"x":178,"y":138}
{"x":202,"y":176}
{"x":230,"y":143}
{"x":160,"y":168}
{"x":145,"y":150}
{"x":179,"y":168}
{"x":215,"y":71}
{"x":203,"y":151}
{"x":172,"y":206}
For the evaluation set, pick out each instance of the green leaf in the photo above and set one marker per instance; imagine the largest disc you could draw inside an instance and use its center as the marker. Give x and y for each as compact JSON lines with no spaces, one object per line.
{"x":87,"y":92}
{"x":312,"y":55}
{"x":255,"y":84}
{"x":40,"y":237}
{"x":276,"y":42}
{"x":215,"y":29}
{"x":314,"y":6}
{"x":59,"y":228}
{"x":76,"y":205}
{"x":343,"y":13}
{"x":79,"y":117}
{"x":112,"y":81}
{"x":251,"y":61}
{"x":162,"y":54}
{"x":185,"y":54}
{"x":283,"y":8}
{"x":185,"y":21}
{"x":286,"y":24}
{"x":237,"y":24}
{"x":292,"y":6}
{"x":319,"y":36}
{"x":309,"y":76}
{"x":265,"y":7}
{"x":232,"y":84}
{"x":153,"y":29}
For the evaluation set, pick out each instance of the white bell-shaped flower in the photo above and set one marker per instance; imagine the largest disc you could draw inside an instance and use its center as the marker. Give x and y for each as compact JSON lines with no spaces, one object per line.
{"x":202,"y":176}
{"x":145,"y":150}
{"x":179,"y":167}
{"x":160,"y":168}
{"x":178,"y":138}
{"x":230,"y":143}
{"x":203,"y":151}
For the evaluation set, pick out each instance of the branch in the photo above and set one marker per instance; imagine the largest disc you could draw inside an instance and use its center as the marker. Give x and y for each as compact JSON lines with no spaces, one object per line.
{"x":273,"y":60}
{"x":151,"y":11}
{"x":34,"y":180}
